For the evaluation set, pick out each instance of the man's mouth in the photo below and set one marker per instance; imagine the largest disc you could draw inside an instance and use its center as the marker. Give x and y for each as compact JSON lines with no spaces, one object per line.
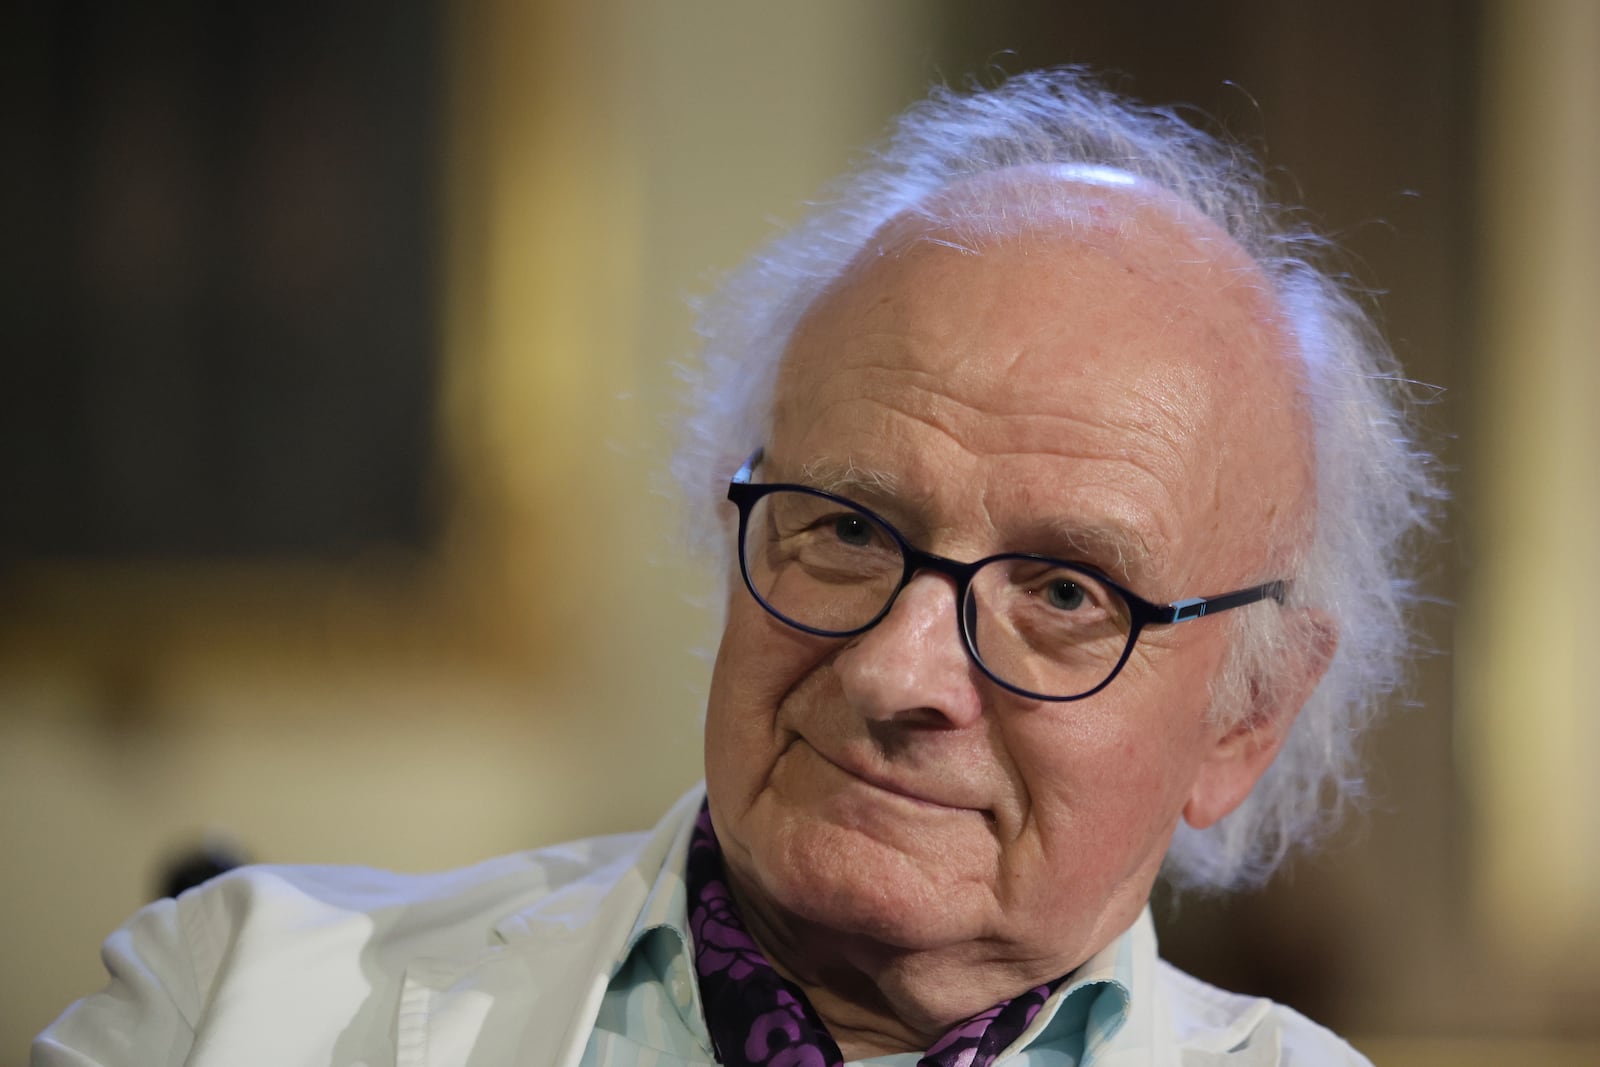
{"x":887,"y":784}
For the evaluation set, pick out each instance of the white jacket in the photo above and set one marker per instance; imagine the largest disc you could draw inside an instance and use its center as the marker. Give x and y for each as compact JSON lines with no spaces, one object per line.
{"x":502,"y":963}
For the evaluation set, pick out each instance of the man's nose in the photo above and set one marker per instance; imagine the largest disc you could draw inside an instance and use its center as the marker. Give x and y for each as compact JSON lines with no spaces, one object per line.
{"x":913,"y":664}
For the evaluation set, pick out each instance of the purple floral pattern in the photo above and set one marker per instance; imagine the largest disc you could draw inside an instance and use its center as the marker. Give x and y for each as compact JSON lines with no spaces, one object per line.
{"x":758,"y":1018}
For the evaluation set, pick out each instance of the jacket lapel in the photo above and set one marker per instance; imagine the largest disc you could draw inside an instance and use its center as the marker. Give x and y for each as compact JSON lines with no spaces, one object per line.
{"x":511,"y":1007}
{"x":532,"y":999}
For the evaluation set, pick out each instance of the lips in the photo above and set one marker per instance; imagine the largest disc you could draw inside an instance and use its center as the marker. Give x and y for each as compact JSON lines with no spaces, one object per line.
{"x":886,"y":784}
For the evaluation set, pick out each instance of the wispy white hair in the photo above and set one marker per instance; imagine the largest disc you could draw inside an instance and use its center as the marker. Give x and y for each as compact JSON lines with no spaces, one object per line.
{"x":1374,"y":485}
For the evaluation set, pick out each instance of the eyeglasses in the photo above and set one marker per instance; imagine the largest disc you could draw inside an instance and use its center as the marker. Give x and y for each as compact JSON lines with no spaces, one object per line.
{"x":1047,"y":629}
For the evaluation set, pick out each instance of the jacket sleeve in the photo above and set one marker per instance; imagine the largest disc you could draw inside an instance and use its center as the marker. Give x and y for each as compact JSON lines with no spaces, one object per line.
{"x":146,"y":1013}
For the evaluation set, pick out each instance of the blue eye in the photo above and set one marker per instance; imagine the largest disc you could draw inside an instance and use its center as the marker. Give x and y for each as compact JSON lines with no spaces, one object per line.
{"x":853,"y":530}
{"x":1066,"y":595}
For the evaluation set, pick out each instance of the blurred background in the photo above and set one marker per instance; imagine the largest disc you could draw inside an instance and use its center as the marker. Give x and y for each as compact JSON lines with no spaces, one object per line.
{"x":338,"y":370}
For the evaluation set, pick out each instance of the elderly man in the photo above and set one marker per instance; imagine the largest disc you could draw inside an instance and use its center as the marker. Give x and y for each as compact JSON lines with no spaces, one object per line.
{"x":1000,"y":431}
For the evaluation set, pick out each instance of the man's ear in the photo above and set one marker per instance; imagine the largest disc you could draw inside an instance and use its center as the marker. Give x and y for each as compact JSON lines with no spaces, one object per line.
{"x":1243,"y":747}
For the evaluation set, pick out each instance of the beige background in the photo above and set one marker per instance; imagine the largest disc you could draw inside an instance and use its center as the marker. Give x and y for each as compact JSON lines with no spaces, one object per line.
{"x":541,"y":675}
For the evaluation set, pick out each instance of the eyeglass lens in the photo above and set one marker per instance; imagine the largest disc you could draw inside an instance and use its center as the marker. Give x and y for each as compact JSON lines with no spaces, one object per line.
{"x":1039,"y":625}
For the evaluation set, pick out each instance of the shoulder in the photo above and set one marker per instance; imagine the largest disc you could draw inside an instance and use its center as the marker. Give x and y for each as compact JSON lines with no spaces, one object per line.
{"x":1209,"y":1019}
{"x":195,"y":979}
{"x":413,"y":913}
{"x":374,"y":890}
{"x":322,"y":944}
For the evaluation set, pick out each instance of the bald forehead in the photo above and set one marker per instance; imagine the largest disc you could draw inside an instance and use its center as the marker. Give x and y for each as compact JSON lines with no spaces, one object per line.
{"x":1068,"y":281}
{"x":1097,"y":231}
{"x":1094,"y":208}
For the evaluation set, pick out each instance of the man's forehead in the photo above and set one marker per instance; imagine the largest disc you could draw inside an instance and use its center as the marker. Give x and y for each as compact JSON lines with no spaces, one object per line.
{"x":1134,"y":333}
{"x":1152,"y":298}
{"x":1073,"y":227}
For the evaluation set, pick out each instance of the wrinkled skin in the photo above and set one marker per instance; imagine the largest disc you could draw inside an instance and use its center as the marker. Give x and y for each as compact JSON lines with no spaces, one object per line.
{"x":908,"y":841}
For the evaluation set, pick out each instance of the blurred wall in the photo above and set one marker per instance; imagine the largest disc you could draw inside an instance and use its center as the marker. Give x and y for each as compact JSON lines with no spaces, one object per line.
{"x":539,"y":672}
{"x":539,"y":675}
{"x":1529,"y":676}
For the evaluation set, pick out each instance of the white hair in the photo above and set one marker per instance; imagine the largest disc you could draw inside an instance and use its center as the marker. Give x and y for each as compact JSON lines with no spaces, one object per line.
{"x":1374,"y":486}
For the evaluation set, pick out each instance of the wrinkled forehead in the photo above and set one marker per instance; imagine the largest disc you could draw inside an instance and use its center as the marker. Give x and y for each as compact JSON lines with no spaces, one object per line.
{"x":1080,"y":238}
{"x":1109,"y":296}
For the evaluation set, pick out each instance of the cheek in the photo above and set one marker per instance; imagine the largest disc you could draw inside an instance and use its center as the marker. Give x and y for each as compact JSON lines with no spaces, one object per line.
{"x":1104,"y":791}
{"x":758,"y":662}
{"x":1096,"y":779}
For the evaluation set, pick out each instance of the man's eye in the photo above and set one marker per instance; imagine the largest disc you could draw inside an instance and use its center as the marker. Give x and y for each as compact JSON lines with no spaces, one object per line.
{"x":1065,"y":595}
{"x":853,"y":530}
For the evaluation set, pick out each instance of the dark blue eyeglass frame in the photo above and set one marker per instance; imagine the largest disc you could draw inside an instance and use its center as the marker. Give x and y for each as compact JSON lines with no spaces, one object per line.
{"x":744,"y":494}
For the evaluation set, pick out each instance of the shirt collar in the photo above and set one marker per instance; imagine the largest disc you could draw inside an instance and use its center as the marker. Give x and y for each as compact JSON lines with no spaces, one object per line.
{"x":1094,"y":1004}
{"x":662,"y":929}
{"x":666,"y":906}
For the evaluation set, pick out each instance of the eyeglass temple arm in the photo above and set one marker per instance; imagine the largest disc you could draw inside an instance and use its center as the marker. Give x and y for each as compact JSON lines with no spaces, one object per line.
{"x":743,"y":474}
{"x":1199,"y":606}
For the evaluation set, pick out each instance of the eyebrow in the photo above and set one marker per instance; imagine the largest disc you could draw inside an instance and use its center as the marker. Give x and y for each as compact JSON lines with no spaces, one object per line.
{"x":845,"y":478}
{"x":1116,"y":547}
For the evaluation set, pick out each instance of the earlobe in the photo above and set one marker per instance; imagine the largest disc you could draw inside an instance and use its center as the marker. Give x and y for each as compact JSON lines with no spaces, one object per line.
{"x":1242,"y":751}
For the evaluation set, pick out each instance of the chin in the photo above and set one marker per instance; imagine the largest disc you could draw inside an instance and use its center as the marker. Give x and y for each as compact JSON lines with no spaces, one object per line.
{"x":855,"y":884}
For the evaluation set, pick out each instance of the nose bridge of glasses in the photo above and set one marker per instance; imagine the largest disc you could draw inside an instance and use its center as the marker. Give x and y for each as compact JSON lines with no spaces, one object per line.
{"x":959,"y":575}
{"x":918,"y":562}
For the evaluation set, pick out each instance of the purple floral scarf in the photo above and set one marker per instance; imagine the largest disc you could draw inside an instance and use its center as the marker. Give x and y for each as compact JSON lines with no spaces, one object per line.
{"x":757,"y":1018}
